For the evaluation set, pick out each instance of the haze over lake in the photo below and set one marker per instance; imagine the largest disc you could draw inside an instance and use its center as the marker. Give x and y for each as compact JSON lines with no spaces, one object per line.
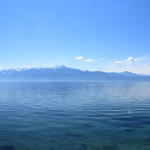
{"x":75,"y":116}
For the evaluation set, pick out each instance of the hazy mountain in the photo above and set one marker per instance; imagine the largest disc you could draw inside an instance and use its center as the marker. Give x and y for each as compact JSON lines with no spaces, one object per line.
{"x":65,"y":73}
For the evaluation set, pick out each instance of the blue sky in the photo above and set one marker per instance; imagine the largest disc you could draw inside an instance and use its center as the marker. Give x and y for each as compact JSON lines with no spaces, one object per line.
{"x":106,"y":35}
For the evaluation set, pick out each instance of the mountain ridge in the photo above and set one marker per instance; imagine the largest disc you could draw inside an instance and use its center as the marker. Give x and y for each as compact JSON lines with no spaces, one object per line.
{"x":65,"y":73}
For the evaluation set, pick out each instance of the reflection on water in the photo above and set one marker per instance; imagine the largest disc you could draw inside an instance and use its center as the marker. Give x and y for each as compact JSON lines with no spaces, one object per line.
{"x":75,"y":116}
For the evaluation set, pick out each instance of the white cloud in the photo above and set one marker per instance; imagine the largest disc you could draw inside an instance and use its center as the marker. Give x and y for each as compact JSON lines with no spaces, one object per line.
{"x":82,"y":59}
{"x":130,"y":60}
{"x":131,"y":64}
{"x":88,"y":60}
{"x":139,"y":65}
{"x":79,"y":58}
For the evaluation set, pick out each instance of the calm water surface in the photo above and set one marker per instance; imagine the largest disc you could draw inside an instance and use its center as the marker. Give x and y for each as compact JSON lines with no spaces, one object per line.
{"x":75,"y":116}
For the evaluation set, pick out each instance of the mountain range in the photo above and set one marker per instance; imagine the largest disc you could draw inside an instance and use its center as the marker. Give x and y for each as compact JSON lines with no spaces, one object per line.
{"x":62,"y":73}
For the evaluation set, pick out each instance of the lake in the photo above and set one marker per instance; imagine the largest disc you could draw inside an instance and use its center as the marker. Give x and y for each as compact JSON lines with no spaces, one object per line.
{"x":75,"y":116}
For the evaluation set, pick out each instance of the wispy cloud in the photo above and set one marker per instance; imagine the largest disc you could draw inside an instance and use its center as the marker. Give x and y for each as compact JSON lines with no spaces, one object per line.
{"x":118,"y":62}
{"x":30,"y":15}
{"x":88,"y":60}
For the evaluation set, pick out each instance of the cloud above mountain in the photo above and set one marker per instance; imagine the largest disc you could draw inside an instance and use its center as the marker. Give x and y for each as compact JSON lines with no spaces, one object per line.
{"x":79,"y":58}
{"x":132,"y":64}
{"x":127,"y":61}
{"x":85,"y":60}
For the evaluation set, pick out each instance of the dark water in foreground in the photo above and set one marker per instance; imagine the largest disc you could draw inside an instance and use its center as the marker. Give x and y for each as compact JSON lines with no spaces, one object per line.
{"x":75,"y":116}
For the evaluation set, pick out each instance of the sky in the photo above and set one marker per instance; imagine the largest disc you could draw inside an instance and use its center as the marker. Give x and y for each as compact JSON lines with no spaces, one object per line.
{"x":105,"y":35}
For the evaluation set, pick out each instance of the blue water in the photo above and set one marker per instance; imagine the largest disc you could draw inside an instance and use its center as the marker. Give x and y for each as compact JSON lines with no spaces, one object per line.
{"x":75,"y":116}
